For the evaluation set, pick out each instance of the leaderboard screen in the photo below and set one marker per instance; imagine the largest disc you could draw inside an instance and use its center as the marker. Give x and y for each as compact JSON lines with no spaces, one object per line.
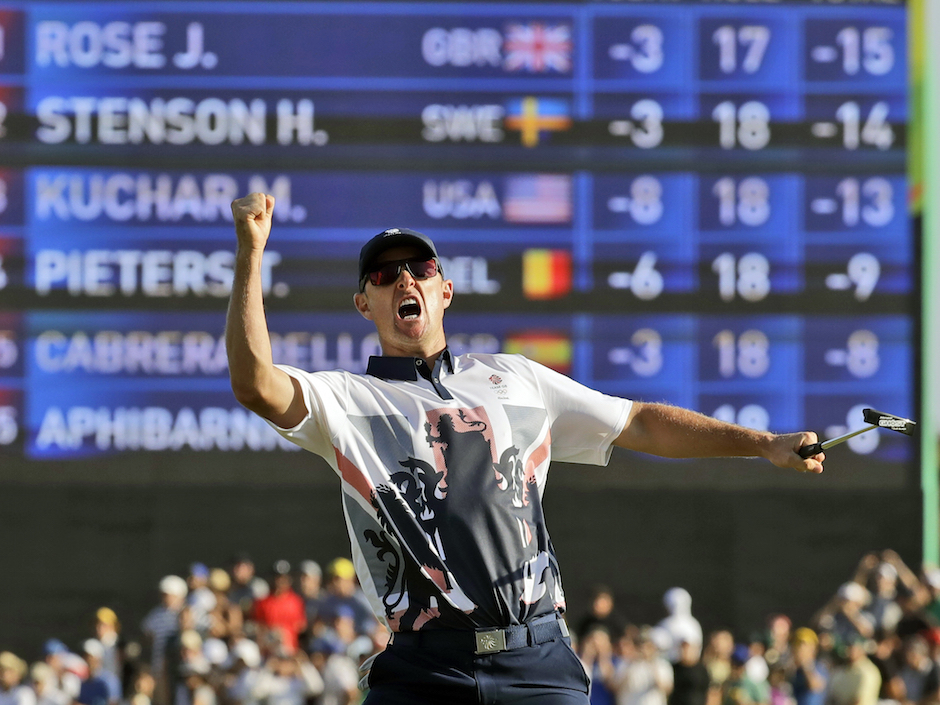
{"x":696,"y":203}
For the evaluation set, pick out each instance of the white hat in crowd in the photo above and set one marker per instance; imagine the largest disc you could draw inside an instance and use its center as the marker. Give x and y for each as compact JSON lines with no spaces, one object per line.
{"x":173,"y":585}
{"x":853,"y":592}
{"x":93,"y":647}
{"x":215,"y":650}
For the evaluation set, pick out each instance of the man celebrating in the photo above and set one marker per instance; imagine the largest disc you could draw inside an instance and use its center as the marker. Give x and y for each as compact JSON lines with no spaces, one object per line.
{"x":443,"y":461}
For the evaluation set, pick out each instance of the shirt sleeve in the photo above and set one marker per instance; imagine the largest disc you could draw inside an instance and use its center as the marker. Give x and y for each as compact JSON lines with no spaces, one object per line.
{"x":325,"y":397}
{"x":584,"y":422}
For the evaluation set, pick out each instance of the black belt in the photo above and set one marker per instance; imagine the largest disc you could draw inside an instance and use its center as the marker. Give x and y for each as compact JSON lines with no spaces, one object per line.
{"x":488,"y":641}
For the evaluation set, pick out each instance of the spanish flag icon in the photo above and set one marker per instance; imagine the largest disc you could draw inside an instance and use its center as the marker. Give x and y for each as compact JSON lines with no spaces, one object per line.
{"x":546,"y":274}
{"x":550,"y":348}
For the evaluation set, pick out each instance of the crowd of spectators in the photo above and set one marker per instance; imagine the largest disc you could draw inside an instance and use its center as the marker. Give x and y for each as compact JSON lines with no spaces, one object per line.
{"x":227,"y":637}
{"x":877,"y":641}
{"x":217,"y":637}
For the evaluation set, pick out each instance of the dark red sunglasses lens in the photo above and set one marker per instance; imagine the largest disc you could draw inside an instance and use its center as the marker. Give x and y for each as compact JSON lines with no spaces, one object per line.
{"x":387,"y":274}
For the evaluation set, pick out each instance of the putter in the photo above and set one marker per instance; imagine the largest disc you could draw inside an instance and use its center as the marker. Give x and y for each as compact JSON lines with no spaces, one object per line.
{"x":877,"y":419}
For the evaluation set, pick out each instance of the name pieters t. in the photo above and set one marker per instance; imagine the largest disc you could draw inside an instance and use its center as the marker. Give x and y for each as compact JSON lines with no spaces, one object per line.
{"x":443,"y":460}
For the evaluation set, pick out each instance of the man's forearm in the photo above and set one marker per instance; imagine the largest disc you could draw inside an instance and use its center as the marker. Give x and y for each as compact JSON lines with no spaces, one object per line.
{"x":247,"y":342}
{"x":674,"y":432}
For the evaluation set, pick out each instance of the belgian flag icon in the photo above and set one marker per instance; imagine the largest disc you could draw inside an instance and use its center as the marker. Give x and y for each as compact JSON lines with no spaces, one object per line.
{"x":546,"y":274}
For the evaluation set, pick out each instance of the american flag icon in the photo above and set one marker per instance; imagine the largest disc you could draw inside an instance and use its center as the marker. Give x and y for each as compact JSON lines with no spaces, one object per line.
{"x":538,"y":198}
{"x":538,"y":48}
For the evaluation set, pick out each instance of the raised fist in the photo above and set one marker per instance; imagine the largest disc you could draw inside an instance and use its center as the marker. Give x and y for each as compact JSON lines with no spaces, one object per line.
{"x":252,"y":215}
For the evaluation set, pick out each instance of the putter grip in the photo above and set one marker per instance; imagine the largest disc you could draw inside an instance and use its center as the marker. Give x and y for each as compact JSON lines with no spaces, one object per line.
{"x":812,"y":449}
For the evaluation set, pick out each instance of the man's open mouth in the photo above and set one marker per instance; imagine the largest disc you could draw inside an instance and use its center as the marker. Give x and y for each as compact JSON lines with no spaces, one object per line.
{"x":409,"y":309}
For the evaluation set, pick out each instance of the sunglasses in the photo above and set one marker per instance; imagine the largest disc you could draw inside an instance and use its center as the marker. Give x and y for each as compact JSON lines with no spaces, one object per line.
{"x":389,"y":272}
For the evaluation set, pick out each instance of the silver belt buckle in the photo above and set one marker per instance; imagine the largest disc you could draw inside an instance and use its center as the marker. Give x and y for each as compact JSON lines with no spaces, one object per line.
{"x":491,"y":641}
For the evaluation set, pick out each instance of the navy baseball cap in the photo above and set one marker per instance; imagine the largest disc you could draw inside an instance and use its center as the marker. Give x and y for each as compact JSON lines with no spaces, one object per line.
{"x":387,"y":239}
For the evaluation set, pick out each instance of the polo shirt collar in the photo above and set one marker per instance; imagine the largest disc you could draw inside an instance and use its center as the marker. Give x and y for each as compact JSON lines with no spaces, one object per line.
{"x":408,"y":369}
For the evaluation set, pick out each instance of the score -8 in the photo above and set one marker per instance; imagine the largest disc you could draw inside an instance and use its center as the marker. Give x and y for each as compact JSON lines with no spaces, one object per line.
{"x":644,"y":204}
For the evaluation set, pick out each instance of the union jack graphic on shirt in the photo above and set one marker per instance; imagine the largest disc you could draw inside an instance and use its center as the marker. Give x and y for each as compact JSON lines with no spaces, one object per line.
{"x":538,"y":48}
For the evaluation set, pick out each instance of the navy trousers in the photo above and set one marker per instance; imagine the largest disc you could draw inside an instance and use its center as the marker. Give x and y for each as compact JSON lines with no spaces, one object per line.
{"x":544,"y":674}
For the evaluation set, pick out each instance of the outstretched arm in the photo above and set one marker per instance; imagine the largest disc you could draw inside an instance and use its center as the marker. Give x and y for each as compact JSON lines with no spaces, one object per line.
{"x":674,"y":432}
{"x":258,"y":385}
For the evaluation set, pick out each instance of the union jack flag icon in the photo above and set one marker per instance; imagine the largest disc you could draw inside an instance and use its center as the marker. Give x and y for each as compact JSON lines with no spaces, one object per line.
{"x":538,"y":48}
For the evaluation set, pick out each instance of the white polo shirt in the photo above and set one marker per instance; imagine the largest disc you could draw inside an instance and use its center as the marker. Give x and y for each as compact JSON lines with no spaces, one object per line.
{"x":442,"y":474}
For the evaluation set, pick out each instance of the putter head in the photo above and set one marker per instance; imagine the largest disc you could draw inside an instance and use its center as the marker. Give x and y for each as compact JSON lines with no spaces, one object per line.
{"x":889,"y":421}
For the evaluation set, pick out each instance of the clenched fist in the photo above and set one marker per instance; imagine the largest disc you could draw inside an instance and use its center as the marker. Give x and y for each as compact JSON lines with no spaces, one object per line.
{"x":253,"y":219}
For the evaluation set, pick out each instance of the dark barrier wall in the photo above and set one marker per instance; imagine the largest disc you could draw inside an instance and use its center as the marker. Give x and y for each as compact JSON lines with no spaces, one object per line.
{"x":66,"y":551}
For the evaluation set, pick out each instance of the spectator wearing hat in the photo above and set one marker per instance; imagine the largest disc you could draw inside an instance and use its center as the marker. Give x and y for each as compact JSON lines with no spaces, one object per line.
{"x":739,"y":689}
{"x":311,"y":590}
{"x":810,"y":677}
{"x":192,"y":657}
{"x":857,"y":680}
{"x":161,"y":626}
{"x":12,"y":689}
{"x":646,"y":679}
{"x":243,"y":667}
{"x":200,"y":599}
{"x":45,"y":684}
{"x":844,"y":616}
{"x":680,"y":625}
{"x":342,"y":589}
{"x":57,"y":655}
{"x":887,"y":576}
{"x":101,"y":687}
{"x":108,"y":633}
{"x":193,"y":672}
{"x":226,"y":617}
{"x":281,"y":616}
